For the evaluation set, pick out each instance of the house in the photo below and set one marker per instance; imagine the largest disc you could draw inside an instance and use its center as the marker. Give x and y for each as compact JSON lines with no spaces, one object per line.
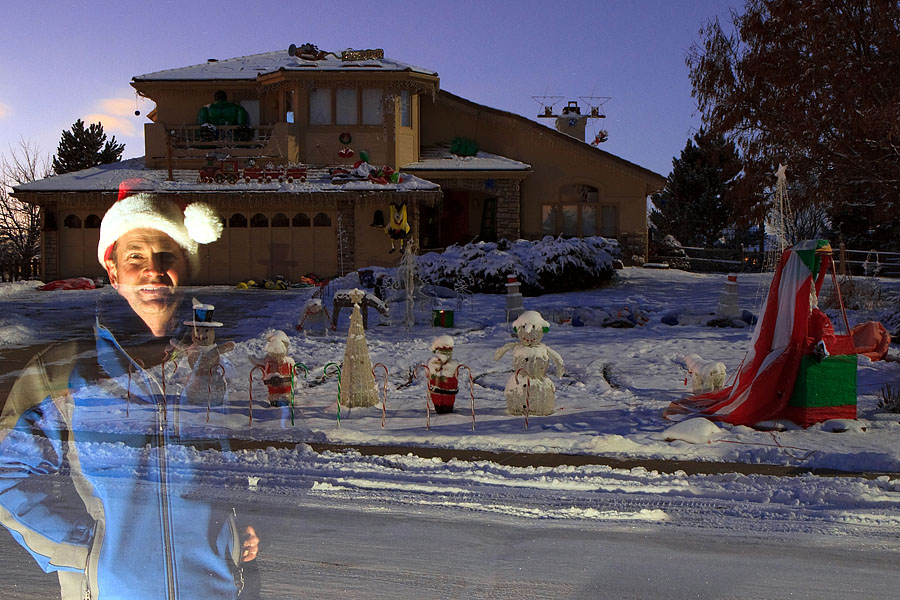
{"x":283,"y":170}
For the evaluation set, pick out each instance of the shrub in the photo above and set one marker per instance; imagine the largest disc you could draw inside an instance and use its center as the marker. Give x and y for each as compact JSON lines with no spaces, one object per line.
{"x":547,"y":265}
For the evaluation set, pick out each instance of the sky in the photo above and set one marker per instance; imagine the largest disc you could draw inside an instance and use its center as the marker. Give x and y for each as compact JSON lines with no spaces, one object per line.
{"x":69,"y":60}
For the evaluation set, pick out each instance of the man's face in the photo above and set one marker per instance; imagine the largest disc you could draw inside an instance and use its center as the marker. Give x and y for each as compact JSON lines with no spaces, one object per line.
{"x":146,"y":269}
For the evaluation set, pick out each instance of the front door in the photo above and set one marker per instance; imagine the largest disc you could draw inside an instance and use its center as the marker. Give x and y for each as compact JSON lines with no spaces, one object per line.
{"x":455,"y":218}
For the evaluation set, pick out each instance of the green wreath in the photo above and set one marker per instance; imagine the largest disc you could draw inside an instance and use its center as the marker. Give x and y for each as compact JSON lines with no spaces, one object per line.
{"x":345,"y":138}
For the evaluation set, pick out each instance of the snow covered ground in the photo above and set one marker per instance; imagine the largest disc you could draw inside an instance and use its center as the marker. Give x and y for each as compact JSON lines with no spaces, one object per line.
{"x":353,"y":526}
{"x":609,"y":402}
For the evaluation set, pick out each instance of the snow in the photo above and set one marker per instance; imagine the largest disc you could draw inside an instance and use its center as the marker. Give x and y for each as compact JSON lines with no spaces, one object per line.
{"x":108,"y":177}
{"x":439,"y":158}
{"x":608,"y":403}
{"x":255,"y":65}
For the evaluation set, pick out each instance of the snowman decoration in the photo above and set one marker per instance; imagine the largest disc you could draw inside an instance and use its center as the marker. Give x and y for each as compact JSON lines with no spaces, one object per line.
{"x":206,"y":383}
{"x":528,"y":387}
{"x":277,"y":368}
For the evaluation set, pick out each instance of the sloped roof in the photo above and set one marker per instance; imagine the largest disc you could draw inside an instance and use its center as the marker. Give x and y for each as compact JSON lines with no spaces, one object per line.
{"x":106,"y":178}
{"x":650,"y":177}
{"x":439,"y":158}
{"x":252,"y":66}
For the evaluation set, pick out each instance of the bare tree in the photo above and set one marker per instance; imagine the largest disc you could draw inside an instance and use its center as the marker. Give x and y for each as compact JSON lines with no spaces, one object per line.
{"x":20,"y":223}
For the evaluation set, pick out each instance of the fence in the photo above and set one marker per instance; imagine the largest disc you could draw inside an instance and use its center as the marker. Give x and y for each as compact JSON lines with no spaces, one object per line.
{"x":718,"y":260}
{"x":16,"y":271}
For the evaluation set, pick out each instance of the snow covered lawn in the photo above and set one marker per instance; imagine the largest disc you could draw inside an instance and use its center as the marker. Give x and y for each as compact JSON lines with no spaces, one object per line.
{"x":609,"y":402}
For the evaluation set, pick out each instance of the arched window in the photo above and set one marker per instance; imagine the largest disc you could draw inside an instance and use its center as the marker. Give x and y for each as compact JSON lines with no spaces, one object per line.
{"x":92,"y":222}
{"x":301,"y":220}
{"x":72,"y":222}
{"x":280,"y":220}
{"x":259,"y":220}
{"x":322,"y":220}
{"x":237,"y":220}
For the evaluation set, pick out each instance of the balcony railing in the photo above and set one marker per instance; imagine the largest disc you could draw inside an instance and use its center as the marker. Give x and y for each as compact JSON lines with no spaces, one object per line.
{"x":224,"y":137}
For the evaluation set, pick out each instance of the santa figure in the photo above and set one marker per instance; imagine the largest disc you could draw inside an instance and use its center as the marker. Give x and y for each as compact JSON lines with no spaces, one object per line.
{"x":442,"y":380}
{"x":277,"y":368}
{"x":528,"y":388}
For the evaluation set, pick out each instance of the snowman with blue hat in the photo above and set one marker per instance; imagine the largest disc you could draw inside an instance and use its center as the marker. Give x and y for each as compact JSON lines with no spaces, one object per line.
{"x":207,"y":381}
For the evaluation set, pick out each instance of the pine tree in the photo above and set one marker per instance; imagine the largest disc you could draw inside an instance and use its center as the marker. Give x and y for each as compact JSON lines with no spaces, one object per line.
{"x":82,"y":148}
{"x":695,"y":206}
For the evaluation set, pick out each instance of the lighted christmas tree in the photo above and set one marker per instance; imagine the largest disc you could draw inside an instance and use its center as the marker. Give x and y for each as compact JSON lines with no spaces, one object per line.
{"x":357,"y":379}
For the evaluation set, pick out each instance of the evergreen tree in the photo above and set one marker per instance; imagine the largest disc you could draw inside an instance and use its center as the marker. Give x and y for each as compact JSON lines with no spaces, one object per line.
{"x":696,"y":205}
{"x":82,"y":148}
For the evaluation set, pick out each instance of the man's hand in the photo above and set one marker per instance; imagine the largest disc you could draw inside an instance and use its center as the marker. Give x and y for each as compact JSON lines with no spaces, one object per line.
{"x":249,"y":544}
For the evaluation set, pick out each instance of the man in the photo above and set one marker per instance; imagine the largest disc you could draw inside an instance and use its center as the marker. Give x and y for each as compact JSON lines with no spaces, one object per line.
{"x":127,"y":519}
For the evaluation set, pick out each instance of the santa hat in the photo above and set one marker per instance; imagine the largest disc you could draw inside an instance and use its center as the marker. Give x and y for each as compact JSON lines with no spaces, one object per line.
{"x":196,"y":223}
{"x":442,"y":343}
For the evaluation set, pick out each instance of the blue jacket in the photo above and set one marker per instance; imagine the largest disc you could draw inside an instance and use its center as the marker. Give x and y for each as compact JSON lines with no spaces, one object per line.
{"x":112,"y":511}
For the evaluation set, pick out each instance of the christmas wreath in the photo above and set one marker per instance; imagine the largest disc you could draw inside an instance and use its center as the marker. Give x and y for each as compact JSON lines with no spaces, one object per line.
{"x":345,"y":138}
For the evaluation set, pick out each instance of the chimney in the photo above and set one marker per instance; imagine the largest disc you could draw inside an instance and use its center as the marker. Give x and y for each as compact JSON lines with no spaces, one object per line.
{"x":571,"y":121}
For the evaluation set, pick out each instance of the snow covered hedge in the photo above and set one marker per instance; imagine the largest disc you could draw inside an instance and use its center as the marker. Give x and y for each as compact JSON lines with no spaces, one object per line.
{"x":543,"y":266}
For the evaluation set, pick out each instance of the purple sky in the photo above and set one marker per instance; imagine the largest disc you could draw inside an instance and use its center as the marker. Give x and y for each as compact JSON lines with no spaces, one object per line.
{"x":65,"y":60}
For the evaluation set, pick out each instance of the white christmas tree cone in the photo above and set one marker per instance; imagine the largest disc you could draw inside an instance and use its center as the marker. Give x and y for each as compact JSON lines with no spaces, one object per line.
{"x":357,"y":379}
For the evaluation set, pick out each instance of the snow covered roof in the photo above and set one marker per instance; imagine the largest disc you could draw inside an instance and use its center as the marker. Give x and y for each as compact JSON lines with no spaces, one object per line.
{"x":439,"y":158}
{"x":251,"y":67}
{"x":108,"y":177}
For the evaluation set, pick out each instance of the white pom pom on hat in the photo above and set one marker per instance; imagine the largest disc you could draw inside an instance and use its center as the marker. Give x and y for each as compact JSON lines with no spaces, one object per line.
{"x":197,"y":224}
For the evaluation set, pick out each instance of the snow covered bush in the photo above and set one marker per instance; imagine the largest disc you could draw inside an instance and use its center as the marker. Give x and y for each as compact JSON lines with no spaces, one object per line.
{"x":543,"y":266}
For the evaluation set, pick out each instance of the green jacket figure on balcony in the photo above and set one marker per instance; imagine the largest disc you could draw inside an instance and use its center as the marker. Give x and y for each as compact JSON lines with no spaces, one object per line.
{"x":222,"y":112}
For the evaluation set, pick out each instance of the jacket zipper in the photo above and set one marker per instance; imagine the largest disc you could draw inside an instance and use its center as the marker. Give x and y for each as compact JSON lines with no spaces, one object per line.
{"x":164,"y":496}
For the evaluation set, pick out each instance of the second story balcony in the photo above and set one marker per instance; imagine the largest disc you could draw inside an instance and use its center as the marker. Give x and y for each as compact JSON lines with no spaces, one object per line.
{"x":189,"y":144}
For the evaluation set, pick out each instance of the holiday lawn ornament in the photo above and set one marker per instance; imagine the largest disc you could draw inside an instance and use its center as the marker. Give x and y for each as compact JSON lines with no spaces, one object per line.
{"x":314,"y":318}
{"x":796,"y":368}
{"x":534,"y":394}
{"x":278,"y":369}
{"x":358,"y":381}
{"x":398,"y":227}
{"x":443,"y":384}
{"x":384,"y":390}
{"x":329,"y":370}
{"x":706,"y":375}
{"x":206,"y":383}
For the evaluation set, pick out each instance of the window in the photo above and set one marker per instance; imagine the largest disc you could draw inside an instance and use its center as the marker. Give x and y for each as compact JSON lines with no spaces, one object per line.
{"x":301,"y":220}
{"x":259,"y":220}
{"x":610,"y":222}
{"x":347,"y":106}
{"x":92,"y":222}
{"x":280,"y":220}
{"x":320,"y":107}
{"x":405,"y":109}
{"x":372,"y":102}
{"x":289,"y":106}
{"x":322,"y":220}
{"x":72,"y":222}
{"x":579,"y":214}
{"x":237,"y":220}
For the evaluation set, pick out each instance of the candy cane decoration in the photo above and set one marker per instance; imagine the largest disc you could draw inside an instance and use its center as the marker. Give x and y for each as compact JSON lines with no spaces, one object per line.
{"x":305,"y":376}
{"x":471,"y":388}
{"x":209,"y":387}
{"x":325,"y":372}
{"x":527,"y":391}
{"x":427,"y":392}
{"x":384,"y":395}
{"x":250,"y":404}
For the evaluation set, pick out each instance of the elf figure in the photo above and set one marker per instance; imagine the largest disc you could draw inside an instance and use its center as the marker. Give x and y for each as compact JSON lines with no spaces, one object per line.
{"x":277,"y":368}
{"x":206,"y":382}
{"x":442,"y":381}
{"x":314,"y":318}
{"x":528,"y":387}
{"x":398,"y":227}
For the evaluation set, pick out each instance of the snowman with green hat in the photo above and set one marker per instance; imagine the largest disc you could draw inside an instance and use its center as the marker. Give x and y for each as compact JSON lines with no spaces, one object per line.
{"x":528,"y":389}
